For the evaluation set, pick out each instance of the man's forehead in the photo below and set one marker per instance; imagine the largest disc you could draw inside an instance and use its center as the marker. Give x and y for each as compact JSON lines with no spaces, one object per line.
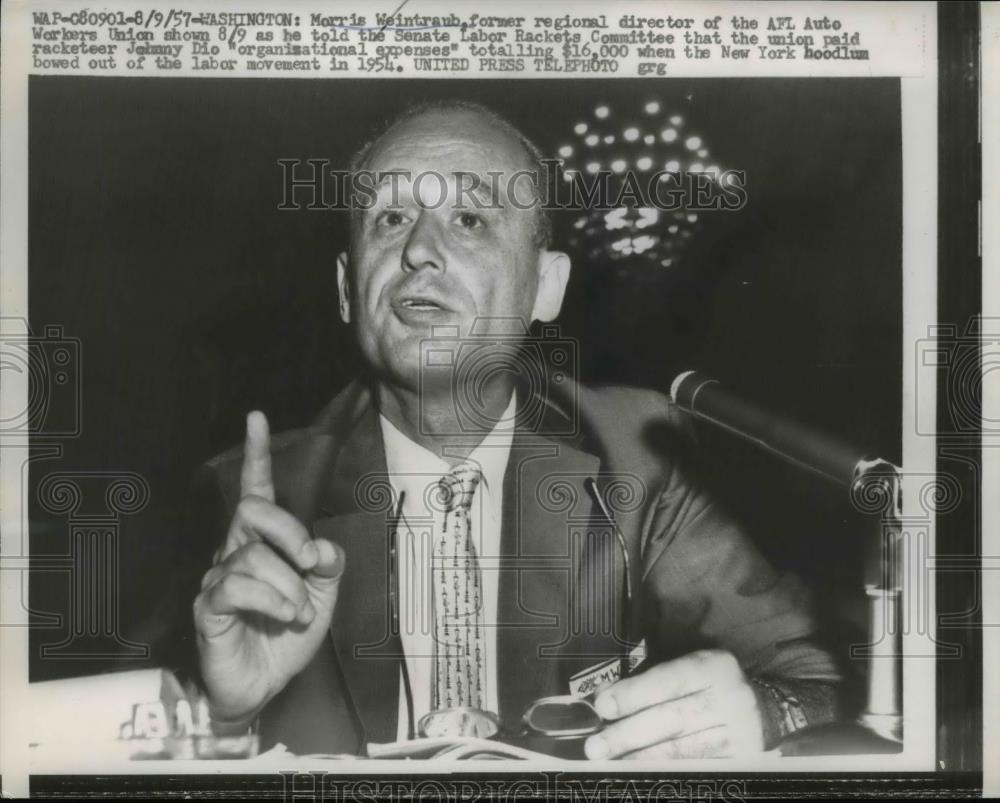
{"x":449,"y":141}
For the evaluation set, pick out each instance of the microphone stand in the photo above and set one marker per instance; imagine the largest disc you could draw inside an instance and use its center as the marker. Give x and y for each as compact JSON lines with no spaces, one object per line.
{"x":877,"y":491}
{"x":881,"y":482}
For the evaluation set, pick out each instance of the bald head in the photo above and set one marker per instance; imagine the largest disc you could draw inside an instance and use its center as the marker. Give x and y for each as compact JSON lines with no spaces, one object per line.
{"x":489,"y":142}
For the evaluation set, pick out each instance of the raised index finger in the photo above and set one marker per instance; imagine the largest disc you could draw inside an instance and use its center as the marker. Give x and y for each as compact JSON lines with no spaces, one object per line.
{"x":255,"y":478}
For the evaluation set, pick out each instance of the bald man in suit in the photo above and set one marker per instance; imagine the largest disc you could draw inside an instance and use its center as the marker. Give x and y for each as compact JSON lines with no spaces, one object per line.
{"x":330,"y":536}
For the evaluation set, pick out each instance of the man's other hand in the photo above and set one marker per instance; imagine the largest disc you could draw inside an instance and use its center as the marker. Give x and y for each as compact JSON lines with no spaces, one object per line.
{"x":697,"y":706}
{"x":266,"y":604}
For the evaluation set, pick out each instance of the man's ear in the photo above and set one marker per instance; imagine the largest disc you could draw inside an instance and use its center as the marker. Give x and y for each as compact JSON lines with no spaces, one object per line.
{"x":553,"y":274}
{"x":343,"y":287}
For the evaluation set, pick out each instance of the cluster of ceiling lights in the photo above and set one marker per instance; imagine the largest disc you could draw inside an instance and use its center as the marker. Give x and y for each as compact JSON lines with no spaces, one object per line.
{"x":645,"y":144}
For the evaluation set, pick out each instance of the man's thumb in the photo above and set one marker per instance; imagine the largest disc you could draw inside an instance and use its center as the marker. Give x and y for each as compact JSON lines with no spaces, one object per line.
{"x":326,"y":575}
{"x":330,"y":562}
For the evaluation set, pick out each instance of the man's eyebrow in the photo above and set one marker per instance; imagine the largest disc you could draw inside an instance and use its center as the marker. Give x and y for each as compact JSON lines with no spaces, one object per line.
{"x":478,"y":182}
{"x":486,"y":187}
{"x":382,"y":181}
{"x":384,"y":177}
{"x":481,"y":190}
{"x":502,"y":190}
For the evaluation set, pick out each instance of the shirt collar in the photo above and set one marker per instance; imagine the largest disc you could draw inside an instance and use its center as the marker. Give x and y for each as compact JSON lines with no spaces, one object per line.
{"x":405,"y":457}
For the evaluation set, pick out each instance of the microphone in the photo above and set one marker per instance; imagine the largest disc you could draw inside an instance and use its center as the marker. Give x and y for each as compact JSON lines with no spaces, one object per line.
{"x":789,"y":440}
{"x":879,"y":727}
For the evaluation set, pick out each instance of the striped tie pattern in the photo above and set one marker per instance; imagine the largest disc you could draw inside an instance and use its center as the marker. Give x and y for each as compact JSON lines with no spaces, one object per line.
{"x":459,"y":662}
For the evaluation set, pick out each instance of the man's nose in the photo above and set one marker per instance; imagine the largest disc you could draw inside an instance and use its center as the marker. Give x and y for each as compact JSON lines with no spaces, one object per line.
{"x":424,"y":248}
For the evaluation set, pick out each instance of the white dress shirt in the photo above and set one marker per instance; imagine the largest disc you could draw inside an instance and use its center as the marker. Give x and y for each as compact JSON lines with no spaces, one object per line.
{"x":415,"y":471}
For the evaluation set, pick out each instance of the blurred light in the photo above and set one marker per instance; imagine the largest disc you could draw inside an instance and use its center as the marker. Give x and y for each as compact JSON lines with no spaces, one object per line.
{"x":618,"y":165}
{"x":652,"y":107}
{"x":566,"y":151}
{"x":609,"y":139}
{"x":714,"y":170}
{"x":672,"y":229}
{"x":693,"y":143}
{"x":697,"y":167}
{"x":591,"y":139}
{"x":643,"y":243}
{"x":568,"y":175}
{"x":666,"y":262}
{"x":676,"y":120}
{"x":649,"y":139}
{"x":580,"y":222}
{"x":647,"y":217}
{"x":692,"y":217}
{"x":631,"y":134}
{"x":580,"y":128}
{"x":627,"y":245}
{"x":668,"y":134}
{"x":673,"y":166}
{"x":615,"y":219}
{"x":601,"y":112}
{"x":593,"y":167}
{"x":644,"y":163}
{"x":703,"y":153}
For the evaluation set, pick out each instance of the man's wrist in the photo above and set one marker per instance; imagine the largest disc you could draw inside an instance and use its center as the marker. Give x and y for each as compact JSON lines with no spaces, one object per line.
{"x":788,"y":705}
{"x":227,"y":724}
{"x":245,"y":726}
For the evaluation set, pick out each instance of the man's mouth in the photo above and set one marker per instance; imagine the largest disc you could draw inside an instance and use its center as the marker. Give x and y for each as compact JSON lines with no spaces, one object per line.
{"x":420,"y":304}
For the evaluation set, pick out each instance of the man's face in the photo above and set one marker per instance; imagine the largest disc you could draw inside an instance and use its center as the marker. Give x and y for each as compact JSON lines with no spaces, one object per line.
{"x":426,"y":255}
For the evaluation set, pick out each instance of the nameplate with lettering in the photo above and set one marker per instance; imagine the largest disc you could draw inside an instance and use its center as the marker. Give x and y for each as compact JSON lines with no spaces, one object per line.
{"x":591,"y":679}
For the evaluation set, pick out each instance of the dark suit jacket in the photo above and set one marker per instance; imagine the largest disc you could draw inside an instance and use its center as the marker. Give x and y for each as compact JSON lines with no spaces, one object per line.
{"x":698,"y":580}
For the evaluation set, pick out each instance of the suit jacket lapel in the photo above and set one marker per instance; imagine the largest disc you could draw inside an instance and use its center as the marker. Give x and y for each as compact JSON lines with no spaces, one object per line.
{"x":355,"y":511}
{"x":550,"y":606}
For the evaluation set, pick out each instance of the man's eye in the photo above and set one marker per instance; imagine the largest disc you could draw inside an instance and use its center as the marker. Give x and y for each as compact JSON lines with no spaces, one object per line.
{"x":391,"y":218}
{"x":470,"y":220}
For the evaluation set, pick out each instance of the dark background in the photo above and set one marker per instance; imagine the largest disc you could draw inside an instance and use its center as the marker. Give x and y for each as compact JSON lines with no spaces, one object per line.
{"x":155,"y":239}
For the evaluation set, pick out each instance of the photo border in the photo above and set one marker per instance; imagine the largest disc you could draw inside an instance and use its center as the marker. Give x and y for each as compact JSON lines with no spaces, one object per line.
{"x":953,"y":248}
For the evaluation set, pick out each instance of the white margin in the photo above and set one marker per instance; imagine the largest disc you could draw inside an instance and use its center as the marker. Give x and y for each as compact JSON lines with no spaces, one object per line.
{"x":990,"y":239}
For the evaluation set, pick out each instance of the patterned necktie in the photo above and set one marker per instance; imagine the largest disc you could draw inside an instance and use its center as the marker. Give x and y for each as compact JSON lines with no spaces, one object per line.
{"x":459,"y":662}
